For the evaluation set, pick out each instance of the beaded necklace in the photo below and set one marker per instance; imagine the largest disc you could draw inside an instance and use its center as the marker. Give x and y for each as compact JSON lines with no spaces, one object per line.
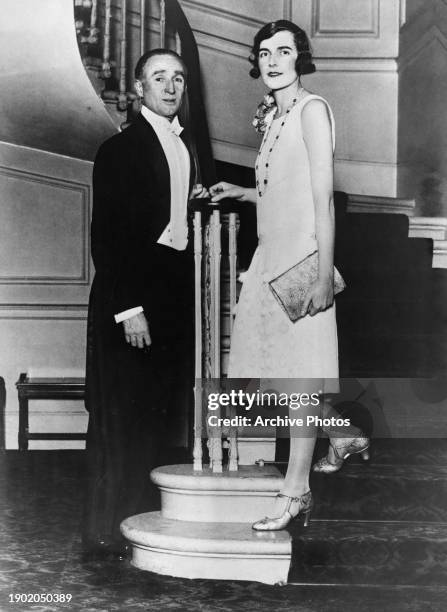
{"x":264,"y":142}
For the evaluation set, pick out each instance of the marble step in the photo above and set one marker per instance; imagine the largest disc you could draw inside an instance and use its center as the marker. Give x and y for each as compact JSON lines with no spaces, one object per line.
{"x":382,"y":492}
{"x":228,"y":497}
{"x":326,"y":552}
{"x":368,"y":552}
{"x":227,"y":551}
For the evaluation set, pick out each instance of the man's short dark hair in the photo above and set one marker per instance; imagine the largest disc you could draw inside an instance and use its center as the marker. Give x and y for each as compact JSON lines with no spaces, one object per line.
{"x":141,"y":64}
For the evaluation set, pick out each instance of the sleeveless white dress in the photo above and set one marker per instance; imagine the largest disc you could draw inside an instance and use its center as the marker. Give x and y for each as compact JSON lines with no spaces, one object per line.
{"x":264,"y":342}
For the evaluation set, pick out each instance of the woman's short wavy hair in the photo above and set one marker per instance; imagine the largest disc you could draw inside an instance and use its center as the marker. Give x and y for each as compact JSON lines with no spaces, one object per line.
{"x":304,"y":64}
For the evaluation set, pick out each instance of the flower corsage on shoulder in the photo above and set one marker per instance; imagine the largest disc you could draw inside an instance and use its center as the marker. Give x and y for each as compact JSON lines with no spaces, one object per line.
{"x":264,"y":113}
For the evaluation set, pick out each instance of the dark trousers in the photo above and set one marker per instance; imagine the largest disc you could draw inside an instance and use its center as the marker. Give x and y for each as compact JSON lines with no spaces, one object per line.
{"x":134,"y":397}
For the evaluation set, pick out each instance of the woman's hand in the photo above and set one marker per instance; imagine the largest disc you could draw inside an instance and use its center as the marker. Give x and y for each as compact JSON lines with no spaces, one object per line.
{"x":228,"y":190}
{"x":199,"y":191}
{"x":319,"y":297}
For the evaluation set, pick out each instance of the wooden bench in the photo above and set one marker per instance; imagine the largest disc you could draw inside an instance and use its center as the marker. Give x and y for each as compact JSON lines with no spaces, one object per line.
{"x":45,"y":388}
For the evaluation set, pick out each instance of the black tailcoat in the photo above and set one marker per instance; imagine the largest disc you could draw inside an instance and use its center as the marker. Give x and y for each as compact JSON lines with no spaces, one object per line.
{"x":131,"y":393}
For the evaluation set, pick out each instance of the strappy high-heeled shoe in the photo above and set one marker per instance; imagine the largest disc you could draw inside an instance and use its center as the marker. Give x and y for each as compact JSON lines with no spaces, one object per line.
{"x":351,"y":446}
{"x":305,"y":505}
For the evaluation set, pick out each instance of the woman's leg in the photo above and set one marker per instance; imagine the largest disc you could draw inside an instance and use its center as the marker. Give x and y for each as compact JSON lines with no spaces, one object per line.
{"x":295,"y":496}
{"x":302,"y":444}
{"x":296,"y":481}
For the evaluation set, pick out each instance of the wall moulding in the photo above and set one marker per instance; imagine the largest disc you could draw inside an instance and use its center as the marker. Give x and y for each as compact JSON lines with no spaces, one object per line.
{"x":287,"y":9}
{"x":217,"y":11}
{"x":440,"y":254}
{"x":225,"y":46}
{"x":361,"y":64}
{"x":234,"y":153}
{"x":47,"y":219}
{"x":350,"y":28}
{"x":210,"y":8}
{"x":377,"y":204}
{"x":377,"y":180}
{"x":428,"y":227}
{"x":28,"y":312}
{"x":325,"y":21}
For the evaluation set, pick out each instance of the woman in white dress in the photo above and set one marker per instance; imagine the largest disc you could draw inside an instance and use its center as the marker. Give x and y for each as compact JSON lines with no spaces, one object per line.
{"x":295,"y":217}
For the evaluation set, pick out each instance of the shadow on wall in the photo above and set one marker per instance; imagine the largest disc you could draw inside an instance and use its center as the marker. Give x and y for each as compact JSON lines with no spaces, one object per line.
{"x":432,"y":194}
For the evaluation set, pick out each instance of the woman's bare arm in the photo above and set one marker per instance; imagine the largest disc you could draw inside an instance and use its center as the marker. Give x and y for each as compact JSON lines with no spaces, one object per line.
{"x":317,"y":135}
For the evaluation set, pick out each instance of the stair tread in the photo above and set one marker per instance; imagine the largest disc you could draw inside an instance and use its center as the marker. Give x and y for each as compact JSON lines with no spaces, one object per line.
{"x":317,"y":529}
{"x":248,"y":478}
{"x":152,"y":530}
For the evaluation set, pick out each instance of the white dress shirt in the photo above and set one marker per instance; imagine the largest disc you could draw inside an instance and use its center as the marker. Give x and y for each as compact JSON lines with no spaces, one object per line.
{"x":175,"y":234}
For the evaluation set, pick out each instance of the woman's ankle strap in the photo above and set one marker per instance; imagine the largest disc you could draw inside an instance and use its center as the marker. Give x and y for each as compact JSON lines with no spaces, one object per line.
{"x":293,"y":499}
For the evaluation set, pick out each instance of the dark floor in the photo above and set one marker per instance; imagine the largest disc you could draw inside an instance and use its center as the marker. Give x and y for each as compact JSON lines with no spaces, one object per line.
{"x":40,"y":552}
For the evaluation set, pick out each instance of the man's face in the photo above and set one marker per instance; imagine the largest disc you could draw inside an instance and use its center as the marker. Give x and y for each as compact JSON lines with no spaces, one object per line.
{"x":163,"y":85}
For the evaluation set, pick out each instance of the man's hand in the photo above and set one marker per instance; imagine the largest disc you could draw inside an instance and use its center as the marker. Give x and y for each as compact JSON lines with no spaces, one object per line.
{"x":136,"y":331}
{"x":199,"y":191}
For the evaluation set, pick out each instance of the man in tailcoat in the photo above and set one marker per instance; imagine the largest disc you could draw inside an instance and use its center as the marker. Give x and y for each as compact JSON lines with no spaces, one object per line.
{"x":140,"y":322}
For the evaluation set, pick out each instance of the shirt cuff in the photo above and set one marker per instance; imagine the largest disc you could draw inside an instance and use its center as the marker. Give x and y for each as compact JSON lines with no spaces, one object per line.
{"x":127,"y":314}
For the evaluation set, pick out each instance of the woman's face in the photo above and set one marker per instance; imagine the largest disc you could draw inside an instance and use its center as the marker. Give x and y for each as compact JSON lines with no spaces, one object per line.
{"x":277,"y":58}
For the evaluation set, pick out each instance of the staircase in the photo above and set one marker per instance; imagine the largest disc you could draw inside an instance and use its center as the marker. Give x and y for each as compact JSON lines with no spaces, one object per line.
{"x":381,"y":523}
{"x":204,"y":527}
{"x":392,"y":314}
{"x":384,"y":523}
{"x":111,"y":36}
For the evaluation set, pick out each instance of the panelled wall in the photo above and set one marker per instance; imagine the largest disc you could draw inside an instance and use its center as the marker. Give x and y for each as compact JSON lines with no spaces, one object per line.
{"x":51,"y":120}
{"x":355,"y":43}
{"x":45,"y":273}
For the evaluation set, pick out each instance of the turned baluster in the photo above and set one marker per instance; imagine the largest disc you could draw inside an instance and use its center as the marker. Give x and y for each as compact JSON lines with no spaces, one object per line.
{"x":122,"y":97}
{"x":93,"y":33}
{"x":178,"y":43}
{"x":198,"y":426}
{"x":232,"y":260}
{"x":106,"y":68}
{"x":215,"y":240}
{"x":215,"y":442}
{"x":162,"y":23}
{"x":142,"y":26}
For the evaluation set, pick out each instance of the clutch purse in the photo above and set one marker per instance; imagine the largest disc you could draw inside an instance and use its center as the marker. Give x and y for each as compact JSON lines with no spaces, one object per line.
{"x":290,"y":288}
